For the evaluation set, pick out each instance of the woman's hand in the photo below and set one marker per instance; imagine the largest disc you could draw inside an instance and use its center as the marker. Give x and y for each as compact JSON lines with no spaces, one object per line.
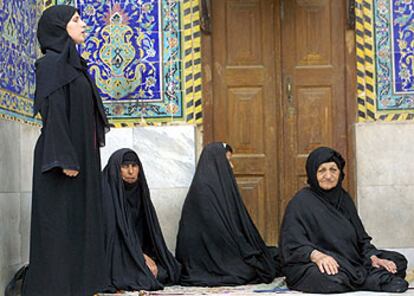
{"x":386,"y":264}
{"x":326,"y":264}
{"x":151,"y":265}
{"x":70,"y":173}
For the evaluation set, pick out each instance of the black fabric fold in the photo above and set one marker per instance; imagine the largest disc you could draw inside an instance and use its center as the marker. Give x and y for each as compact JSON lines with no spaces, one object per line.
{"x":132,"y":229}
{"x":217,"y":242}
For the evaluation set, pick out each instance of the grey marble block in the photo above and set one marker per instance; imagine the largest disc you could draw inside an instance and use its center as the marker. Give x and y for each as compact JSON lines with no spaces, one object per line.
{"x":9,"y":156}
{"x":385,"y":153}
{"x":117,"y":138}
{"x":385,"y":181}
{"x":168,"y":204}
{"x":28,"y":137}
{"x":10,"y":240}
{"x":386,"y":212}
{"x":167,"y":153}
{"x":24,"y":226}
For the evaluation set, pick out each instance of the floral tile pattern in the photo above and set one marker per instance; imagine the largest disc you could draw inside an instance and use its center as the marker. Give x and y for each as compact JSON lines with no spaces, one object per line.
{"x":394,"y":46}
{"x":134,"y":54}
{"x":17,"y":56}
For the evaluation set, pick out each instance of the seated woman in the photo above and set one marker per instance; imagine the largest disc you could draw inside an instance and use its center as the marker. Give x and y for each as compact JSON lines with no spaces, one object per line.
{"x":324,"y":247}
{"x":217,"y":242}
{"x":137,"y":256}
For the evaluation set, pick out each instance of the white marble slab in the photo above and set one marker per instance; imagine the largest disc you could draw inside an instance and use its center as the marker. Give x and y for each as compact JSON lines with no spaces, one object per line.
{"x":167,"y":153}
{"x":387,"y":214}
{"x":117,"y":138}
{"x":28,"y":137}
{"x":168,"y":203}
{"x":9,"y":156}
{"x":385,"y":153}
{"x":24,"y":226}
{"x":9,"y":230}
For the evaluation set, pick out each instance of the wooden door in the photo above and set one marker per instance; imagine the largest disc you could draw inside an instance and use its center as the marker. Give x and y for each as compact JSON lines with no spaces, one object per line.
{"x":244,"y":111}
{"x":314,"y":104}
{"x":273,"y":88}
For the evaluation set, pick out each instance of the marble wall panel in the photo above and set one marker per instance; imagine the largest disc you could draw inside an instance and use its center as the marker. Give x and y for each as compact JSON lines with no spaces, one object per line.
{"x":385,"y":182}
{"x":28,"y":136}
{"x":167,"y":153}
{"x":386,"y":212}
{"x":9,"y":156}
{"x":385,"y":154}
{"x":9,"y":236}
{"x":168,"y":204}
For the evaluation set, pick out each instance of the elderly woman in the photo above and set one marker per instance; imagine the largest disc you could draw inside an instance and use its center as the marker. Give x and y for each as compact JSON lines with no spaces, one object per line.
{"x":217,"y":242}
{"x":66,"y":246}
{"x":324,"y":247}
{"x":137,"y":256}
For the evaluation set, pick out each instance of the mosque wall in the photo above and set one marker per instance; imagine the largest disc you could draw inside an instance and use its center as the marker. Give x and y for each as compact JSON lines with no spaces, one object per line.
{"x":148,"y":73}
{"x":17,"y":55}
{"x":16,"y":166}
{"x":384,"y":133}
{"x":145,"y":58}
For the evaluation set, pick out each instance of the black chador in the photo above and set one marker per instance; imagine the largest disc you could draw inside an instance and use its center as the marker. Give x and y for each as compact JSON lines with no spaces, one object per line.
{"x":217,"y":242}
{"x":66,"y":247}
{"x":327,"y":221}
{"x":132,"y":230}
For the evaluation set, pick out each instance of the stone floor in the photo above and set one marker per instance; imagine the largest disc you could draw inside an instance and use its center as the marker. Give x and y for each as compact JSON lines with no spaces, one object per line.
{"x":276,"y":287}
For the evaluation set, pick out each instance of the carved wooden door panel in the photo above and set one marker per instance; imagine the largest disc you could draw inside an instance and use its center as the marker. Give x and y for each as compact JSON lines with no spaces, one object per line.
{"x":244,"y":90}
{"x":313,"y":67}
{"x":275,"y":91}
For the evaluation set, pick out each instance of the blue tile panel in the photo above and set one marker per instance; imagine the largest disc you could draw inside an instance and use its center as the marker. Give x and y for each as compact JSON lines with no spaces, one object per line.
{"x":394,"y":59}
{"x":17,"y":56}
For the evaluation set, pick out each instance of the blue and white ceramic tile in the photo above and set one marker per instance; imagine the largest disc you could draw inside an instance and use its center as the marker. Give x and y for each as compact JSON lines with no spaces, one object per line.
{"x":17,"y":56}
{"x":134,"y":50}
{"x":394,"y":54}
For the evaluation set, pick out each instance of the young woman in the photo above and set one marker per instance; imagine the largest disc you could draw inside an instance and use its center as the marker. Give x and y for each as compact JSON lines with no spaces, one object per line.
{"x":66,"y":247}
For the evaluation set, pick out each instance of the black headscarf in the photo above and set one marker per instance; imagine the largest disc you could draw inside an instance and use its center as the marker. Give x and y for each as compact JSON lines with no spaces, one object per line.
{"x":124,"y":244}
{"x":315,"y":159}
{"x":218,"y":243}
{"x":62,"y":63}
{"x":51,"y":30}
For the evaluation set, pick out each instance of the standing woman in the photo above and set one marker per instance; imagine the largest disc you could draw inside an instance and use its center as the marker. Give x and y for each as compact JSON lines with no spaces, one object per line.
{"x":66,"y":248}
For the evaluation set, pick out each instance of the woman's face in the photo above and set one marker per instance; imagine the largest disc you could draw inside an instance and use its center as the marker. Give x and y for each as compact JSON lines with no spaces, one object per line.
{"x":130,"y":172}
{"x":229,"y":155}
{"x":328,"y":175}
{"x":76,"y":29}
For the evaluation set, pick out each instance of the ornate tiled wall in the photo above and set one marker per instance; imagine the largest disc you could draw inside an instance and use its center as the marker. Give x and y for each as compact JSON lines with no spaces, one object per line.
{"x":17,"y":56}
{"x":385,"y":59}
{"x":139,"y":52}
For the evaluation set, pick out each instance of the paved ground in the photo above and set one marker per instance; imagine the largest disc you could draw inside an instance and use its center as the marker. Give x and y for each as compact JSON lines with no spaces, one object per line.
{"x":276,"y":287}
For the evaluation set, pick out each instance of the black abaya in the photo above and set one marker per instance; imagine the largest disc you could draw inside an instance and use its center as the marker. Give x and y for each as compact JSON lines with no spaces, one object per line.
{"x":328,"y":221}
{"x":66,"y":247}
{"x":132,"y":229}
{"x":217,"y":242}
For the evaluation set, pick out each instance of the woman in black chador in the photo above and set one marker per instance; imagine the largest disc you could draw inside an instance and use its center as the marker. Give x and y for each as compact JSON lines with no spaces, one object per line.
{"x":137,"y":256}
{"x":324,"y":247}
{"x":66,"y":247}
{"x":217,"y":242}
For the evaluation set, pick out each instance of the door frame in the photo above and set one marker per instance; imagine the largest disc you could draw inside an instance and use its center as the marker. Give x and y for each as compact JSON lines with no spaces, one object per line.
{"x":350,"y":93}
